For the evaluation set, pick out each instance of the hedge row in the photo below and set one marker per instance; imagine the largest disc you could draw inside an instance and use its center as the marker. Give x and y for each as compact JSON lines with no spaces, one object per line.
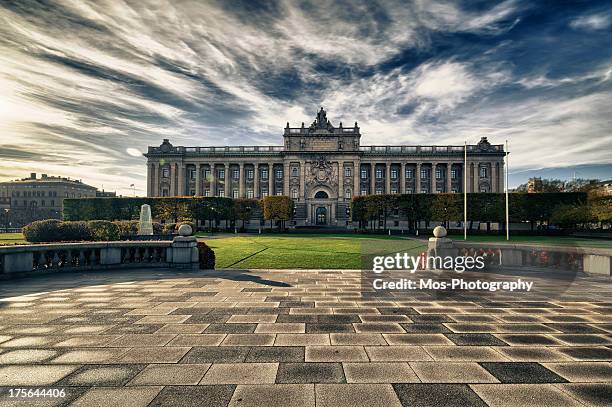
{"x":53,"y":230}
{"x":483,"y":207}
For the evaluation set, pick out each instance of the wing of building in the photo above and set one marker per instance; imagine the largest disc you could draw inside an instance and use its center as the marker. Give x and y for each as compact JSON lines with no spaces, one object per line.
{"x":321,"y":167}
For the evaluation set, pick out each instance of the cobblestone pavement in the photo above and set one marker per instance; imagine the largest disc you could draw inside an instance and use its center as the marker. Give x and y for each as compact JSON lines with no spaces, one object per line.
{"x":299,"y":338}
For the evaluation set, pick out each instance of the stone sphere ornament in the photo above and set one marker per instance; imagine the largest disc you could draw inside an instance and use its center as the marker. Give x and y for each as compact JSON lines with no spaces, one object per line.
{"x":439,"y":231}
{"x":185,"y":230}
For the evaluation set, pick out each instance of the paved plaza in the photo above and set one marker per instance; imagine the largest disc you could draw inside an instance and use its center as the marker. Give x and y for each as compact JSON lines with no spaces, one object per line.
{"x":299,"y":338}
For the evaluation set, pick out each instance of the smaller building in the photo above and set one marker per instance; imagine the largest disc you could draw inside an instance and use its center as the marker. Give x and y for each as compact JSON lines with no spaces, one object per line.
{"x":33,"y":198}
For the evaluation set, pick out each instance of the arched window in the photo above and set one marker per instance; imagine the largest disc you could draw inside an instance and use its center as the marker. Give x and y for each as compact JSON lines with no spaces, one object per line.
{"x":321,"y":195}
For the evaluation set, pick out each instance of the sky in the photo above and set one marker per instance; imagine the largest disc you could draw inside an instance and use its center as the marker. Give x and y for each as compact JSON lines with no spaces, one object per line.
{"x":85,"y":86}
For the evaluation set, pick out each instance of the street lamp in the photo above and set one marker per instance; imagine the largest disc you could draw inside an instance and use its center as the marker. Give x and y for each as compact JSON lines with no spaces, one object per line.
{"x":6,"y":219}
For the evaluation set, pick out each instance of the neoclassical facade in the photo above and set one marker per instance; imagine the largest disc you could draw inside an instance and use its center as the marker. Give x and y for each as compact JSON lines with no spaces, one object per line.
{"x":321,"y":167}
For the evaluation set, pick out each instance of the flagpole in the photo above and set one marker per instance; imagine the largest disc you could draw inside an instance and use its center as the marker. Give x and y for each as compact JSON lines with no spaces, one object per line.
{"x":465,"y":191}
{"x":507,"y":187}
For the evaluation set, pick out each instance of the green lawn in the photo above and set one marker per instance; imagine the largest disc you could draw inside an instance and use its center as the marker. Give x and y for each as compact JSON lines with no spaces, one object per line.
{"x":11,"y":238}
{"x":302,"y":252}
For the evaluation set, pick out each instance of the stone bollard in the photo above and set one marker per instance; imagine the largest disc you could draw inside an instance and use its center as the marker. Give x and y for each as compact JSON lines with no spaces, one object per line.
{"x":185,"y":250}
{"x":439,"y":245}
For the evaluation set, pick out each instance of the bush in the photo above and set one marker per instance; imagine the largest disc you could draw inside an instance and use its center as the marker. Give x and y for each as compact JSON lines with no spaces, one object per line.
{"x":206,"y":256}
{"x":168,"y":228}
{"x":103,"y":230}
{"x":158,"y":228}
{"x":127,"y":227}
{"x":43,"y":231}
{"x":74,"y":231}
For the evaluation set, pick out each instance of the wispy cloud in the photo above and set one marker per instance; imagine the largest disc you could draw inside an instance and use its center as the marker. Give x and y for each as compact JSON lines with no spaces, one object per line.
{"x":86,"y":83}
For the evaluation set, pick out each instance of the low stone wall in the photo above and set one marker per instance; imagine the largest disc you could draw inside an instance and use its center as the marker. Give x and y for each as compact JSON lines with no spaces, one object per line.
{"x":596,"y":261}
{"x":23,"y":260}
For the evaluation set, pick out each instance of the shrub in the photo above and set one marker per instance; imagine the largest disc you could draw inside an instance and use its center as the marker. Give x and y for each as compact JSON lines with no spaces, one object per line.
{"x":103,"y":230}
{"x":158,"y":228}
{"x":206,"y":256}
{"x":43,"y":231}
{"x":127,"y":227}
{"x":74,"y":231}
{"x":168,"y":228}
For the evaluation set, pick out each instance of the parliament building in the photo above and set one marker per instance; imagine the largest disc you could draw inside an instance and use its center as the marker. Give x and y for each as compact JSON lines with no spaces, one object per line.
{"x":322,"y":167}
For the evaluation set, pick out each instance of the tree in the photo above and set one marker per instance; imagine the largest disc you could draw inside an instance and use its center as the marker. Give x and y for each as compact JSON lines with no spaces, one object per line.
{"x":447,"y":207}
{"x":244,"y":209}
{"x":278,"y":208}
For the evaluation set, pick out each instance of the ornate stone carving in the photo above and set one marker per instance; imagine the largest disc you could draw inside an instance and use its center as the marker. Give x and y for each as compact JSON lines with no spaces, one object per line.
{"x":321,"y":172}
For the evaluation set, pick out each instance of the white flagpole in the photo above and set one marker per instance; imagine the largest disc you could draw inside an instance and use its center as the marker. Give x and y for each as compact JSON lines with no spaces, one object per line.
{"x":507,"y":187}
{"x":465,"y":183}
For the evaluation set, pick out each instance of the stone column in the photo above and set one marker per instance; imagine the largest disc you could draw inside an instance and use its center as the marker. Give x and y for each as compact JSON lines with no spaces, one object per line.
{"x":270,"y":179}
{"x":155,"y":189}
{"x":356,"y":178}
{"x":241,"y":181}
{"x":494,"y":176}
{"x":286,"y":175}
{"x":402,"y":178}
{"x":227,"y":180}
{"x":433,"y":178}
{"x":372,"y":178}
{"x":449,"y":179}
{"x":502,"y":177}
{"x":417,"y":179}
{"x":181,"y":179}
{"x":149,"y":178}
{"x":172,"y":191}
{"x":198,"y":189}
{"x":213,"y":180}
{"x":256,"y":180}
{"x":302,"y":180}
{"x":476,"y":176}
{"x":388,"y":178}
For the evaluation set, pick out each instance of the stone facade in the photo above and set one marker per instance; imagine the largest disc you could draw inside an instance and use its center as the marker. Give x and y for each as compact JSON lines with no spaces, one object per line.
{"x":33,"y":198}
{"x":321,"y":167}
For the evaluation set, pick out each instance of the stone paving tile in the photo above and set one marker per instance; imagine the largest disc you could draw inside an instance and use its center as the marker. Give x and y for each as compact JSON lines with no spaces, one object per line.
{"x":417,"y":339}
{"x":521,"y":372}
{"x":117,"y":397}
{"x":379,"y":372}
{"x":170,"y":374}
{"x":396,"y":353}
{"x":39,"y":375}
{"x":278,"y":395}
{"x":475,"y":340}
{"x":167,"y":354}
{"x":141,"y":340}
{"x":280,"y":327}
{"x":310,"y":372}
{"x":357,"y":339}
{"x":582,"y":372}
{"x":90,"y":355}
{"x":335,"y":354}
{"x":351,"y":395}
{"x":249,"y":340}
{"x":23,"y":356}
{"x":464,"y":353}
{"x":513,"y":395}
{"x":452,"y":372}
{"x":591,"y":394}
{"x":101,"y":375}
{"x":532,"y":354}
{"x":216,"y":354}
{"x":301,"y":339}
{"x":240,"y":373}
{"x":436,"y":395}
{"x":276,"y":354}
{"x":197,"y":340}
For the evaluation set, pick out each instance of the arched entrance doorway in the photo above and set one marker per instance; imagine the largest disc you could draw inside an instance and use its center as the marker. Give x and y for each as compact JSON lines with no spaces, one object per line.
{"x":321,"y":215}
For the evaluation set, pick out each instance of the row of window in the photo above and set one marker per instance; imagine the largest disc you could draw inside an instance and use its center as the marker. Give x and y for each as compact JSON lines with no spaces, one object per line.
{"x":32,"y":194}
{"x":425,"y":173}
{"x":34,"y":203}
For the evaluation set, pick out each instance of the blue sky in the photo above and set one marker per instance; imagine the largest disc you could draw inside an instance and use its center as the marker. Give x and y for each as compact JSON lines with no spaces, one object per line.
{"x":87,"y":86}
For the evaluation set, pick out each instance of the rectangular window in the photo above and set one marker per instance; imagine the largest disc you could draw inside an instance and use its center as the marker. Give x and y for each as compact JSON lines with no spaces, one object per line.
{"x":394,"y":191}
{"x":438,"y":174}
{"x":347,"y":194}
{"x":364,"y":192}
{"x":364,"y":174}
{"x":250,"y":193}
{"x":192,"y":174}
{"x":250,"y":174}
{"x":207,"y":174}
{"x":379,"y":173}
{"x":279,"y":174}
{"x":454,"y":191}
{"x":453,"y":174}
{"x":236,"y":174}
{"x":235,"y":193}
{"x":347,"y":171}
{"x":221,"y":193}
{"x":394,"y":173}
{"x":408,"y":173}
{"x":207,"y":192}
{"x":264,"y":193}
{"x":165,"y":173}
{"x":483,"y":172}
{"x":42,"y":203}
{"x":379,"y":191}
{"x":279,"y":192}
{"x":423,"y":173}
{"x":221,"y":174}
{"x":264,"y":173}
{"x":409,"y":190}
